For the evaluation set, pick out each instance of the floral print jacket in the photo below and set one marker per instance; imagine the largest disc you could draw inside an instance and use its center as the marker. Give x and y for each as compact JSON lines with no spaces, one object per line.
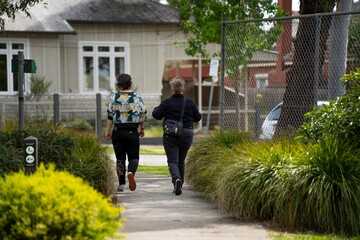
{"x":126,"y":107}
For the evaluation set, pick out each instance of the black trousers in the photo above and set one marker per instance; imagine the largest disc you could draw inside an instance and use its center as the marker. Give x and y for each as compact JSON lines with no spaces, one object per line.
{"x":126,"y":142}
{"x":176,"y":149}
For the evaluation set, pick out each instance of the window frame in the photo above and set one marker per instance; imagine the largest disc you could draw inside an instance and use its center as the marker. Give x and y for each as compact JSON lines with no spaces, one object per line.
{"x":96,"y":54}
{"x":9,"y":53}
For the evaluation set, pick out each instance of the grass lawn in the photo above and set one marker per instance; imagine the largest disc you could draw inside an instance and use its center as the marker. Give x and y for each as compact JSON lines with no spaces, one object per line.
{"x":147,"y":150}
{"x":288,"y":236}
{"x":152,"y":150}
{"x":157,"y":170}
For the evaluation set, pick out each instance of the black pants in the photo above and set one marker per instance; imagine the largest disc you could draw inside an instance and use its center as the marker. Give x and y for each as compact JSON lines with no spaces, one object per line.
{"x":125,"y":142}
{"x":176,"y":149}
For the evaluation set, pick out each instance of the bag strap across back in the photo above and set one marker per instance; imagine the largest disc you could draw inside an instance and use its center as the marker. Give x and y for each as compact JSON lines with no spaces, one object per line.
{"x":183,"y":109}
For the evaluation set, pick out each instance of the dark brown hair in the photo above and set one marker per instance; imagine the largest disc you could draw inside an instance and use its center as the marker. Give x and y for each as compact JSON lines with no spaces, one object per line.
{"x":123,"y":81}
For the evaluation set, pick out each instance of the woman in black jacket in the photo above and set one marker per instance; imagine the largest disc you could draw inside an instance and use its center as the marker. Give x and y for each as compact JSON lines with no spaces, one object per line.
{"x":177,"y":147}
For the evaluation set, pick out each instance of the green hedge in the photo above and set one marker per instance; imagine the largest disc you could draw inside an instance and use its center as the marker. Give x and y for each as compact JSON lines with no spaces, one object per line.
{"x":77,"y":152}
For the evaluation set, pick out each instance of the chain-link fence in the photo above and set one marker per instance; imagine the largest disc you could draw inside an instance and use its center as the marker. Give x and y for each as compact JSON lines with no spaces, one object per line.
{"x":289,"y":64}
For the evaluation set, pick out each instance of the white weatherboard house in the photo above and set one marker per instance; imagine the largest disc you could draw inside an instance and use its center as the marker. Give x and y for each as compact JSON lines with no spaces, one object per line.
{"x":81,"y":45}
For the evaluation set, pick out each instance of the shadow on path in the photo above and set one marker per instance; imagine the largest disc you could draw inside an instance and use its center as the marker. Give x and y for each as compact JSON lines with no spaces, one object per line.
{"x":154,"y":212}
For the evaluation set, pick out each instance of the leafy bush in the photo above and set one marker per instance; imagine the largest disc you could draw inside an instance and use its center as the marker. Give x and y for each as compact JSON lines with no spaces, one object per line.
{"x":39,"y":87}
{"x":341,"y":117}
{"x":81,"y":125}
{"x":54,"y":205}
{"x":79,"y":153}
{"x":10,"y":158}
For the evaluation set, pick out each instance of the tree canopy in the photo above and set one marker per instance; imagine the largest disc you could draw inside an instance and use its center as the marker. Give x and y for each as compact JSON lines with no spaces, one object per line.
{"x":8,"y":9}
{"x":203,"y":19}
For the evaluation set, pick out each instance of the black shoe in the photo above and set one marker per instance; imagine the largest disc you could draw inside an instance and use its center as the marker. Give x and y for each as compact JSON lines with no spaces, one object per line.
{"x":178,"y":187}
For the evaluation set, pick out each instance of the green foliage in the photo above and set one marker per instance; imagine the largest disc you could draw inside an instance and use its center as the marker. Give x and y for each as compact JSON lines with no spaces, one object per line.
{"x":252,"y":185}
{"x":308,"y":236}
{"x":153,"y":131}
{"x":341,"y":117}
{"x":354,"y":41}
{"x":91,"y":162}
{"x":39,"y":87}
{"x":158,"y":170}
{"x":10,"y":158}
{"x":208,"y":159}
{"x":79,"y":153}
{"x":291,"y":184}
{"x":326,"y":187}
{"x":81,"y":125}
{"x":10,"y":8}
{"x":54,"y":205}
{"x":203,"y":19}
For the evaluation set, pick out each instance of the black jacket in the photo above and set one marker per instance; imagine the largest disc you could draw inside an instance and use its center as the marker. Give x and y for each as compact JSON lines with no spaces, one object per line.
{"x":171,"y":108}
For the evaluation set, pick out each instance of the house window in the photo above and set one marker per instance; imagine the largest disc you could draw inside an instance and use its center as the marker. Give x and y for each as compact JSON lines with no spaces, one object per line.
{"x":261,"y":80}
{"x":9,"y":49}
{"x":101,"y":62}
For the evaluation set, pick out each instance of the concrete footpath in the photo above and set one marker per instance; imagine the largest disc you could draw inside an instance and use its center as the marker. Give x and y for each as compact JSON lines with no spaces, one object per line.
{"x":153,"y":212}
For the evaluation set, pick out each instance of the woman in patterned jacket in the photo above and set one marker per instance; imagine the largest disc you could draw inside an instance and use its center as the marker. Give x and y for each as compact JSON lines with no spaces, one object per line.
{"x":127,"y":114}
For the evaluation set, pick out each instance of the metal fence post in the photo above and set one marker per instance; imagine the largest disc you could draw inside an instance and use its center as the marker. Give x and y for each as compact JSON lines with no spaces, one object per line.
{"x":316,"y":58}
{"x":98,"y":121}
{"x":56,"y":108}
{"x":257,"y":118}
{"x":21,"y":89}
{"x":222,"y":71}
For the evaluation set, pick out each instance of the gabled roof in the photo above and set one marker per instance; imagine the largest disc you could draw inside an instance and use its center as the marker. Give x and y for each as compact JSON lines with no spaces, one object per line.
{"x":56,"y":16}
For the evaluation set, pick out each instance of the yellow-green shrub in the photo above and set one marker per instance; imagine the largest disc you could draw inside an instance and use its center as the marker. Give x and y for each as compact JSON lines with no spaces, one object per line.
{"x":53,"y":204}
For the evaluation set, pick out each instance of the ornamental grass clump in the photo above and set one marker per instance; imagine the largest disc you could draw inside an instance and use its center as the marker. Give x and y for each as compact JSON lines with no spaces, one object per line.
{"x":252,"y":185}
{"x":325,"y":193}
{"x":91,"y":162}
{"x":208,"y":159}
{"x":53,"y":204}
{"x":294,"y":185}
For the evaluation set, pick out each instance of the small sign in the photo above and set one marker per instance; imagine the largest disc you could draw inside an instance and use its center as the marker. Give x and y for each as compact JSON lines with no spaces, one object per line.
{"x":31,"y":154}
{"x":214,"y":67}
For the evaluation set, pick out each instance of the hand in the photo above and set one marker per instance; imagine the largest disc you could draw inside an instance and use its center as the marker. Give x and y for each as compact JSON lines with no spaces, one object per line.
{"x":107,"y":135}
{"x":142,"y":133}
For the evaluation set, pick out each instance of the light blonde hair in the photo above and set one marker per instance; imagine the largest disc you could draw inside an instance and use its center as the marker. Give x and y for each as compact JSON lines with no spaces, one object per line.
{"x":177,"y":84}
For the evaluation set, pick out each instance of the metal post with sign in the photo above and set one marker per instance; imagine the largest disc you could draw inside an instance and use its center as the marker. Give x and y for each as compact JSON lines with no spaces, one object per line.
{"x":20,"y":66}
{"x":214,"y":67}
{"x":31,"y":154}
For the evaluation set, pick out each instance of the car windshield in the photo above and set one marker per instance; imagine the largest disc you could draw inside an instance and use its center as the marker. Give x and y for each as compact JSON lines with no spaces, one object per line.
{"x":275,"y":114}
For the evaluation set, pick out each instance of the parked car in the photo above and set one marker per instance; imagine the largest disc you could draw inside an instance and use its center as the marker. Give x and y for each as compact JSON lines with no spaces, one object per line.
{"x":269,"y":125}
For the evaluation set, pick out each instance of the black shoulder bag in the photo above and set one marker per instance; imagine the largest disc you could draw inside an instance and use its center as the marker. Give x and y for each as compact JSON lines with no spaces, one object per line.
{"x":172,"y":127}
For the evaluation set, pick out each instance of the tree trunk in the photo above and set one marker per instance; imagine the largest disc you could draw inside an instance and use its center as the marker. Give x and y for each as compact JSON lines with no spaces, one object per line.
{"x":338,"y":49}
{"x":310,"y":46}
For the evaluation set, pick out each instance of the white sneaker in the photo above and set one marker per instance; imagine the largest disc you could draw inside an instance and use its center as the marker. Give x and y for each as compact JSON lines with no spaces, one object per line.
{"x":121,"y":188}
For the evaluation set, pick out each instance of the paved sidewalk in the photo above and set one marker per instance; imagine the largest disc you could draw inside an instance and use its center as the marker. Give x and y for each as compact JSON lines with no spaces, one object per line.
{"x":153,"y":212}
